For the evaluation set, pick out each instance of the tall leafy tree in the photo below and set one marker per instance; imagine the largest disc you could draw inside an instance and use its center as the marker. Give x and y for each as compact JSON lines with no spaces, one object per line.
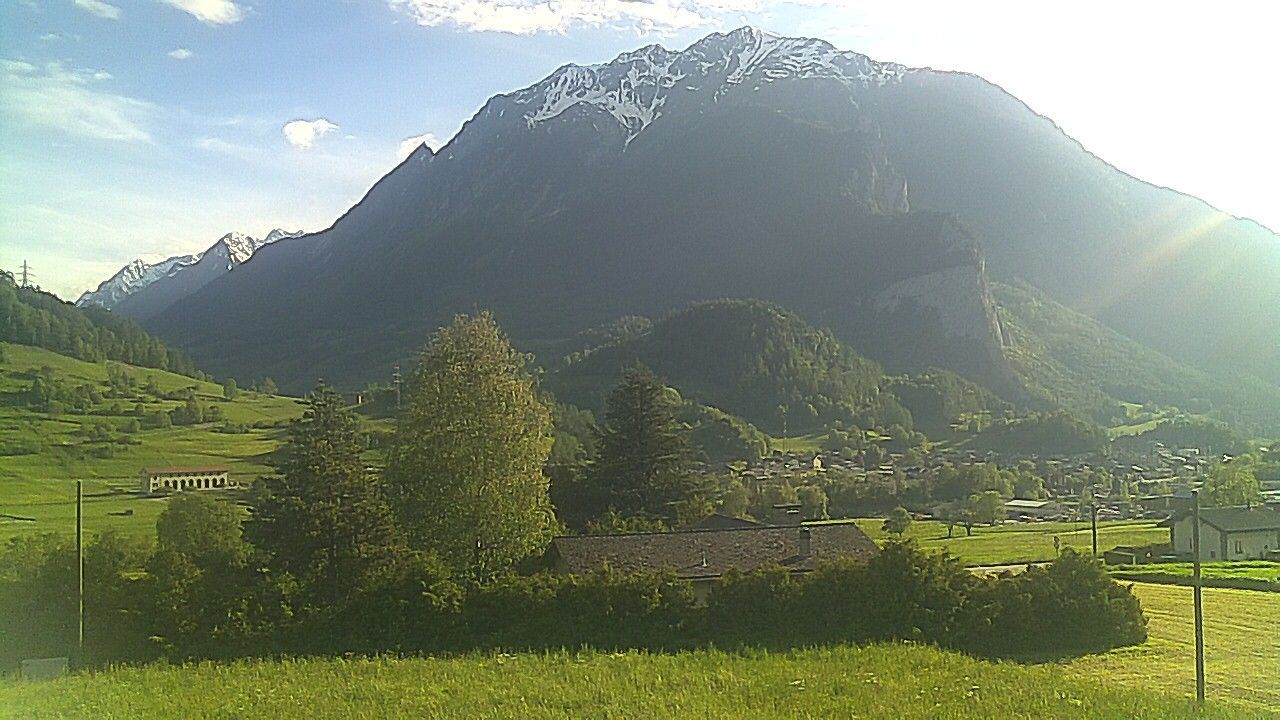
{"x":645,"y":463}
{"x":465,"y":469}
{"x":1233,"y":483}
{"x":322,"y":517}
{"x":199,"y":577}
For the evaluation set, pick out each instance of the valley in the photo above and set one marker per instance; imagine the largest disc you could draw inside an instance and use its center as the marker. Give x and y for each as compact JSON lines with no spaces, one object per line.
{"x":752,"y":376}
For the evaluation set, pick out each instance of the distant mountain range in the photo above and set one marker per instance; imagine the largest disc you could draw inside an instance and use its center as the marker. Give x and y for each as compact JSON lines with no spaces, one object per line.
{"x":882,"y":202}
{"x":140,"y":290}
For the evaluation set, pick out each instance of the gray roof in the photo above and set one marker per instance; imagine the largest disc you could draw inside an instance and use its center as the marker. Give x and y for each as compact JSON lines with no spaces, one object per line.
{"x":711,"y":553}
{"x":1235,"y":519}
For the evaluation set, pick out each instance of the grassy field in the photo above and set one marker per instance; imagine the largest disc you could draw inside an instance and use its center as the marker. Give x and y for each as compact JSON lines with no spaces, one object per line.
{"x":886,"y":681}
{"x":811,"y":443}
{"x":1242,"y":648}
{"x":1250,"y":569}
{"x":36,"y":481}
{"x":1023,"y":542}
{"x":1250,"y":574}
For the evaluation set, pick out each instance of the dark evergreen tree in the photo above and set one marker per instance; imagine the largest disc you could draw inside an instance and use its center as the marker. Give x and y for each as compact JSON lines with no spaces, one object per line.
{"x":322,"y":518}
{"x":645,"y":462}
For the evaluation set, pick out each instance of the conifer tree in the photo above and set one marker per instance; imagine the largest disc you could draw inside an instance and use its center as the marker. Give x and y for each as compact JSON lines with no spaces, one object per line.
{"x":465,"y":469}
{"x":645,"y":462}
{"x":322,"y":517}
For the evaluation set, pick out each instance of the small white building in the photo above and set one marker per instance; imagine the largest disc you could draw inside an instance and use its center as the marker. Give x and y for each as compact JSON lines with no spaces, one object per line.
{"x":1230,"y":533}
{"x":156,"y":480}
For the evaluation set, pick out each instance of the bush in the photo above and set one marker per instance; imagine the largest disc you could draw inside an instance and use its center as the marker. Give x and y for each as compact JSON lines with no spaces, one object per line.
{"x":1071,"y":606}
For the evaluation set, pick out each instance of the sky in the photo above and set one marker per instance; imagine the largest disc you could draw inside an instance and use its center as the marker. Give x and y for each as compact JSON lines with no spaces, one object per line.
{"x":149,"y":128}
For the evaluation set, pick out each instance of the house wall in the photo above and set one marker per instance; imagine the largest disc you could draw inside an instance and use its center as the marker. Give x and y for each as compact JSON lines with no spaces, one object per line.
{"x":1252,"y":545}
{"x":1211,"y":541}
{"x":1214,"y":545}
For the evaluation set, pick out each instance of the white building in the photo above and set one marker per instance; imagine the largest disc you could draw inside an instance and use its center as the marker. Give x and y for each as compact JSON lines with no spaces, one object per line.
{"x":156,"y":480}
{"x":1231,"y":533}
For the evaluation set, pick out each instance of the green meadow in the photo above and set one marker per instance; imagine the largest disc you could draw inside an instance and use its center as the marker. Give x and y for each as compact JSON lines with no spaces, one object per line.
{"x":1010,"y":543}
{"x":881,"y":681}
{"x":1242,"y":648}
{"x":42,"y":456}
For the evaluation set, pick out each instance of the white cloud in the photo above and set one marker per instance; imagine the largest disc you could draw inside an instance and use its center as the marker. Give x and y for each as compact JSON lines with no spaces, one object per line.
{"x":180,"y":54}
{"x":65,"y":99}
{"x":99,"y":8}
{"x":302,"y":134}
{"x":528,"y":17}
{"x":409,"y":144}
{"x":17,"y":67}
{"x":210,"y":12}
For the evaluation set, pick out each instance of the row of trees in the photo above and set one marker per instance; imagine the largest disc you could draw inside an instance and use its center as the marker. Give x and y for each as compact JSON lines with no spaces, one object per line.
{"x":201,"y":593}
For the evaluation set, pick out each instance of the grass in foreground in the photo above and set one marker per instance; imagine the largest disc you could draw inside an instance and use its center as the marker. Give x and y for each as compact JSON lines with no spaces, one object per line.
{"x":886,"y":681}
{"x":1242,"y":648}
{"x":1023,"y":542}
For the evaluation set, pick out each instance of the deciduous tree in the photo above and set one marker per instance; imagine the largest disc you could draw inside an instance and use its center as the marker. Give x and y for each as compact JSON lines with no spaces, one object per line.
{"x":465,"y":469}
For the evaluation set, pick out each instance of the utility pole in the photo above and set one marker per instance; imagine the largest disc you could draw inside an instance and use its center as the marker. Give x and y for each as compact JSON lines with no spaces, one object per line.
{"x":26,"y":274}
{"x":79,"y":572}
{"x":395,"y":381}
{"x":1197,"y":595}
{"x":1093,"y":511}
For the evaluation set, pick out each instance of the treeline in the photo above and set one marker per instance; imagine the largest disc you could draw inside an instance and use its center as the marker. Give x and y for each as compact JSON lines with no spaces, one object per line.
{"x":203,"y":594}
{"x":32,"y":317}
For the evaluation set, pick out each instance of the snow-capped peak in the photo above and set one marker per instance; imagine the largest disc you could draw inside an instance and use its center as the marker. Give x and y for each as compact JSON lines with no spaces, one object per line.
{"x":636,"y":85}
{"x":130,"y":279}
{"x":278,"y":234}
{"x":231,"y":249}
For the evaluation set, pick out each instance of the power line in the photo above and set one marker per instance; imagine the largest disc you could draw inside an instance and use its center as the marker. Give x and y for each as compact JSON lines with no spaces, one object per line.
{"x":26,"y":274}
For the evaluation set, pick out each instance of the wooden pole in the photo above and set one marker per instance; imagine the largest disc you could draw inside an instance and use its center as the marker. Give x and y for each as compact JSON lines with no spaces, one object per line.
{"x":79,"y":571}
{"x":1198,"y":600}
{"x":1094,"y":523}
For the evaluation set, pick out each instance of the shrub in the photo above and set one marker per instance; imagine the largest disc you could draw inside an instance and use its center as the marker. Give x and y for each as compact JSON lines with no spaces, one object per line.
{"x":1071,"y":606}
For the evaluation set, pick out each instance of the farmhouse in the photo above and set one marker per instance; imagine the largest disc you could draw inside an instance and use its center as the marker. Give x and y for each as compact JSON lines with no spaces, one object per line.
{"x":703,"y":555}
{"x":1231,"y":533}
{"x":177,"y":478}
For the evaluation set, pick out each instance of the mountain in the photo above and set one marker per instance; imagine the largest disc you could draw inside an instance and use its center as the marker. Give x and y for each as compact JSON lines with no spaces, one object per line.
{"x":140,"y":290}
{"x":873,"y":199}
{"x":131,"y":278}
{"x":1069,"y":360}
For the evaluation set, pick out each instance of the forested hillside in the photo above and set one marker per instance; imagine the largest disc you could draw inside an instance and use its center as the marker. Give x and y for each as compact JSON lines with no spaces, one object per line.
{"x":1071,"y":361}
{"x":748,"y":358}
{"x":33,"y":317}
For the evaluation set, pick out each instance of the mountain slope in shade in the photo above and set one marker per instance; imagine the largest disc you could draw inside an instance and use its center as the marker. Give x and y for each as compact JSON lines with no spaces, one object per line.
{"x":866,"y":197}
{"x":140,"y":291}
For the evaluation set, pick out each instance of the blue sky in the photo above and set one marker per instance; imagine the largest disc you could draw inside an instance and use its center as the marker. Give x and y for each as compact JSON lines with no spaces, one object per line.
{"x":146,"y":128}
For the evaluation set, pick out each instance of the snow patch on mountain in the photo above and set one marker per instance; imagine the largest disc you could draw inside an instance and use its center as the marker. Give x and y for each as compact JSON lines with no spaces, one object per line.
{"x":635,"y":86}
{"x":130,"y":279}
{"x":231,"y":249}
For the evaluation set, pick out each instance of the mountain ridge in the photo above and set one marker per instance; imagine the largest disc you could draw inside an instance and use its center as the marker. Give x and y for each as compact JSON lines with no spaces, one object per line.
{"x":118,"y":292}
{"x":792,"y":189}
